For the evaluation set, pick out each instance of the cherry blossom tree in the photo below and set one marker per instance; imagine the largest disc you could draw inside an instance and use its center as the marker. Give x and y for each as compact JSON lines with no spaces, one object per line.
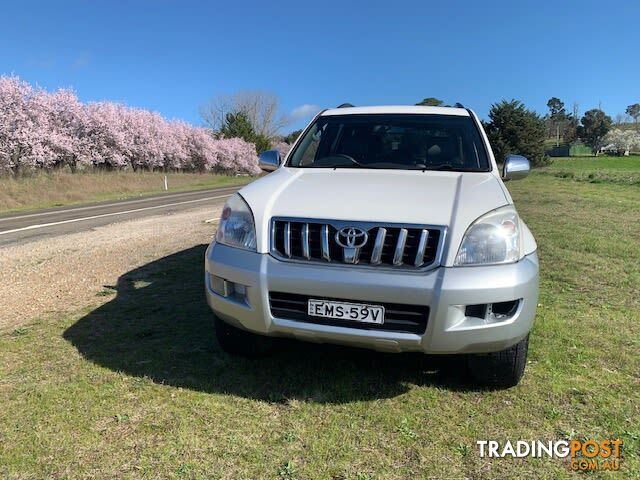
{"x":64,"y":117}
{"x":45,"y":130}
{"x":234,"y":155}
{"x":176,"y":141}
{"x":282,"y":147}
{"x":106,"y":138}
{"x":623,"y":141}
{"x":23,"y":126}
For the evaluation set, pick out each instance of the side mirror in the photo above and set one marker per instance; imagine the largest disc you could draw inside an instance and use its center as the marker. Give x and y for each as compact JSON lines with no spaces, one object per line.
{"x":515,"y":167}
{"x":269,"y":160}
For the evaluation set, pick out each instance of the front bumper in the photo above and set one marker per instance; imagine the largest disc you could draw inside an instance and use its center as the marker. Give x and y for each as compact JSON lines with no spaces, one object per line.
{"x":444,"y":290}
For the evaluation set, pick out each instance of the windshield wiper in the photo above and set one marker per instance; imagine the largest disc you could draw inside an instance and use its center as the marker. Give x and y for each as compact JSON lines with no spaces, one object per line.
{"x":446,"y":168}
{"x":338,"y":165}
{"x":355,"y":165}
{"x":443,"y":167}
{"x":338,"y":160}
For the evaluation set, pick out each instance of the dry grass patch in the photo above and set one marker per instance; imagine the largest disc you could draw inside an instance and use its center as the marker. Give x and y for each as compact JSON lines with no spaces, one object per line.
{"x":62,"y":188}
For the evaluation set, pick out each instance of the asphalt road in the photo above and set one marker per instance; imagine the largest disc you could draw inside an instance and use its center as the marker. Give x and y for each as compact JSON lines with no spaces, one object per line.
{"x":23,"y":227}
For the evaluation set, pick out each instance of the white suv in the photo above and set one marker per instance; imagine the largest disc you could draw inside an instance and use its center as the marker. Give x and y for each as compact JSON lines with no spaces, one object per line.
{"x":387,"y":228}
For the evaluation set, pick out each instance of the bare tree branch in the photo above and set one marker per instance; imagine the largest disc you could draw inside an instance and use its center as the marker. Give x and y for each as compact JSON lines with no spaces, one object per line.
{"x":214,"y":111}
{"x":262,"y":109}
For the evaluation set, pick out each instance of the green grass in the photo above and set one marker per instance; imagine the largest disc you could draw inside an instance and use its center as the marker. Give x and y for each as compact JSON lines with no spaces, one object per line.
{"x":137,"y":386}
{"x":604,"y":169}
{"x":62,"y":188}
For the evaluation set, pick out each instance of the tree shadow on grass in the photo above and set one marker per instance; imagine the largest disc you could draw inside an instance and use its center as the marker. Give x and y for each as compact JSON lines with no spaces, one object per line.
{"x":159,"y":326}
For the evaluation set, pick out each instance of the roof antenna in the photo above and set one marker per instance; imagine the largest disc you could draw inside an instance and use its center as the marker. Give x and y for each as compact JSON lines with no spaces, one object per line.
{"x":344,"y":105}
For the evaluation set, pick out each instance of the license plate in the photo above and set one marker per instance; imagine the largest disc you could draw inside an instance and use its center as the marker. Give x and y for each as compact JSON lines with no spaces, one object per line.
{"x":356,"y":312}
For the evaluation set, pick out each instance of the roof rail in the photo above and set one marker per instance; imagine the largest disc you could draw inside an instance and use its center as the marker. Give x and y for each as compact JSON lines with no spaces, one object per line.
{"x":344,"y":105}
{"x":458,"y":105}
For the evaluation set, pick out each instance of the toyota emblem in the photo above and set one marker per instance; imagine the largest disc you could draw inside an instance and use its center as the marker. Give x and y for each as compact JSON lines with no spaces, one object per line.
{"x":351,"y":237}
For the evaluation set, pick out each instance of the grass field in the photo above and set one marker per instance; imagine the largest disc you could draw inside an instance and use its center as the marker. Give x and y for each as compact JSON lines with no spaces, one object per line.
{"x":61,"y":188}
{"x":619,"y":170}
{"x":135,"y":385}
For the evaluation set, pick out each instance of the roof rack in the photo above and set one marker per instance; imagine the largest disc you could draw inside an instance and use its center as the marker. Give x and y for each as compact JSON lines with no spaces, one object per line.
{"x":344,"y":105}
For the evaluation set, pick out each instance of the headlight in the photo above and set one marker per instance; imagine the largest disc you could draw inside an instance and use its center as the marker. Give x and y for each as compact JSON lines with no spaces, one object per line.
{"x":493,"y":238}
{"x":237,"y":228}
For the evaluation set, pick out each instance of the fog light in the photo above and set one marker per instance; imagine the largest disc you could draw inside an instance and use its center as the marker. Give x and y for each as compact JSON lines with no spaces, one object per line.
{"x":228,"y":289}
{"x":477,"y":311}
{"x":220,"y":285}
{"x":493,"y":312}
{"x":505,"y":309}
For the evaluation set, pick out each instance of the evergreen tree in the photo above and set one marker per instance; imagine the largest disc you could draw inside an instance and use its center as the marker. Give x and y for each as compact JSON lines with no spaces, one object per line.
{"x":514,"y":129}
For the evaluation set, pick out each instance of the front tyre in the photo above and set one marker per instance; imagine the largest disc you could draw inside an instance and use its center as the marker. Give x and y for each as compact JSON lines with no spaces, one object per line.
{"x":240,"y":342}
{"x":501,"y":369}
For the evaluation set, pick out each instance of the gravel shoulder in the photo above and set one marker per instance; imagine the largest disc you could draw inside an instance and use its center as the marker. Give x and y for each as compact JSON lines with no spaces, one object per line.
{"x":70,"y":272}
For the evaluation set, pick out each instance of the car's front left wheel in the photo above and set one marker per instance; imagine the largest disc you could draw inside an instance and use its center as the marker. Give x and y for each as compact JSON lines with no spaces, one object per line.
{"x":501,"y":369}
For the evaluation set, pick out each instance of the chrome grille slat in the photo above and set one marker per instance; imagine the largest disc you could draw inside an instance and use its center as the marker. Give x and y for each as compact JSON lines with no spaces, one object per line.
{"x":399,"y":251}
{"x":376,"y":255}
{"x":392,"y":246}
{"x":304,"y":238}
{"x":424,"y":237}
{"x":326,"y":255}
{"x":287,"y":239}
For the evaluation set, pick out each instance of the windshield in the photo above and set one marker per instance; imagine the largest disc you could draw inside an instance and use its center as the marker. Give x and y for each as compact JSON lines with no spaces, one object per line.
{"x":400,"y":141}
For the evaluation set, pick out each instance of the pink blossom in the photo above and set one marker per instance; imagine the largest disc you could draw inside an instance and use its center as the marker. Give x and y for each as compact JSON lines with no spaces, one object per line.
{"x":40,"y":129}
{"x":283,"y":148}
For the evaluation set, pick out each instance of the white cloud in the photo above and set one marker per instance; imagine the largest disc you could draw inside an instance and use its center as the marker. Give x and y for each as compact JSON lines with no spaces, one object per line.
{"x":302,"y":112}
{"x":81,"y":61}
{"x":44,"y":63}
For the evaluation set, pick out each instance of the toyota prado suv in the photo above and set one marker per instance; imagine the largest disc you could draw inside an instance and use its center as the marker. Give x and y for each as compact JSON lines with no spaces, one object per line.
{"x":387,"y":228}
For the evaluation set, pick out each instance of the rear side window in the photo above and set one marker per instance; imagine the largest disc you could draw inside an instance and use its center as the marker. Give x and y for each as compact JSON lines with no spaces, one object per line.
{"x":400,"y":141}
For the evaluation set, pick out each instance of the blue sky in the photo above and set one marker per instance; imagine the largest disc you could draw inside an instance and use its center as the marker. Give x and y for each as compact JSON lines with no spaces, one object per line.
{"x":171,"y":56}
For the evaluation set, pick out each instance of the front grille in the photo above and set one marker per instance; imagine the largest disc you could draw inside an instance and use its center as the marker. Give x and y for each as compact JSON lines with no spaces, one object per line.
{"x":390,"y":245}
{"x":398,"y":317}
